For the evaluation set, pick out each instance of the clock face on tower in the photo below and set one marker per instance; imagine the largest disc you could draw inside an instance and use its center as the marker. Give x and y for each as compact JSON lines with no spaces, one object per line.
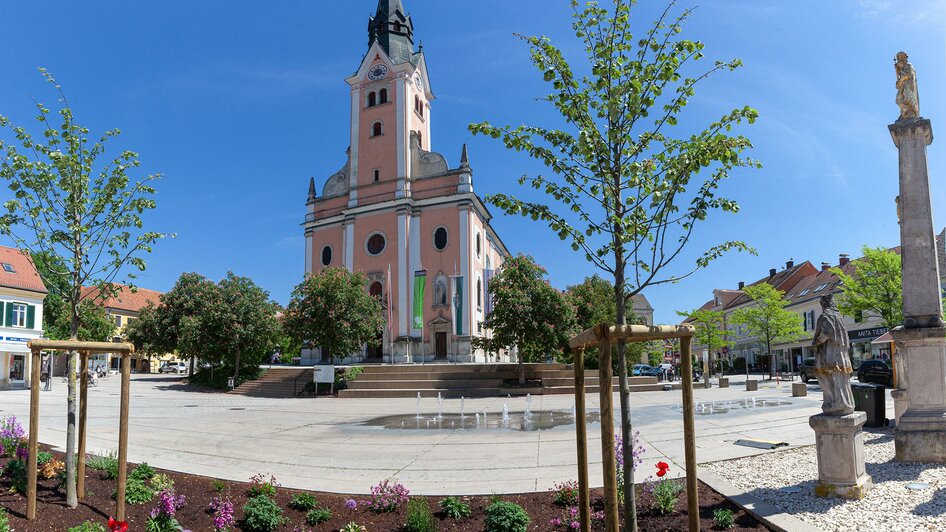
{"x":377,"y":72}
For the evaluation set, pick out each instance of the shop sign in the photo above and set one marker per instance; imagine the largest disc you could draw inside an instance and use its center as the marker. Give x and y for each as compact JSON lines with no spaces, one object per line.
{"x":867,"y":334}
{"x":16,"y":339}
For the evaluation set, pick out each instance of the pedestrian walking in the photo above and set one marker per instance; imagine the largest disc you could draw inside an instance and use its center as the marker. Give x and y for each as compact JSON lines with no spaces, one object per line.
{"x":46,"y":375}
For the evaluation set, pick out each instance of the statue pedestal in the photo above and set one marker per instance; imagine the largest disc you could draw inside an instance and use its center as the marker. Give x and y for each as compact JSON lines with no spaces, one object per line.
{"x":840,"y":444}
{"x":921,"y":429}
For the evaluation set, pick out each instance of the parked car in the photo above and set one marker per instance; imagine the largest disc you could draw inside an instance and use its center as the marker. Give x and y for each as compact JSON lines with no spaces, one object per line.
{"x":636,"y":369}
{"x":806,"y":371}
{"x":648,"y":371}
{"x":174,"y":367}
{"x":876,"y":371}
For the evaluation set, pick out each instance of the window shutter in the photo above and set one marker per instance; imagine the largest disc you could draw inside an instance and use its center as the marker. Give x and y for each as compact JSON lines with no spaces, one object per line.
{"x":30,"y":316}
{"x":8,"y":314}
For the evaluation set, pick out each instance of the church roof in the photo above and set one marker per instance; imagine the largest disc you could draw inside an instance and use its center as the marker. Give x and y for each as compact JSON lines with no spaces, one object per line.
{"x":393,"y":29}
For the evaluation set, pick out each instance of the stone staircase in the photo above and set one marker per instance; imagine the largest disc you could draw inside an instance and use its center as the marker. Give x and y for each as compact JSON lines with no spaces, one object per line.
{"x":449,"y":380}
{"x":477,"y":380}
{"x":277,"y":382}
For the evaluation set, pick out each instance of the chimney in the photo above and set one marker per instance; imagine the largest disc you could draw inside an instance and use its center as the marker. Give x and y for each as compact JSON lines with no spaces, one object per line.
{"x":772,"y":272}
{"x":843,"y":259}
{"x":789,"y":264}
{"x":742,"y":285}
{"x":825,"y":266}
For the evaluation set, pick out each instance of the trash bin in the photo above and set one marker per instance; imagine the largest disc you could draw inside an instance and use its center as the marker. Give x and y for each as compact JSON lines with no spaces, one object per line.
{"x":871,"y":399}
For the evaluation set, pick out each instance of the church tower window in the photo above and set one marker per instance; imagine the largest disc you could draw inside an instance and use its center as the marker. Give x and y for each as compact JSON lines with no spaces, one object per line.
{"x":382,"y":96}
{"x":377,"y":129}
{"x":377,"y":174}
{"x":372,"y":99}
{"x":440,"y":238}
{"x":326,"y":255}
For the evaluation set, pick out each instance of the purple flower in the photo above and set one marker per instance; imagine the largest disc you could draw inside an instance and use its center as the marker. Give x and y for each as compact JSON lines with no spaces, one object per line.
{"x":223,"y":514}
{"x":351,"y":504}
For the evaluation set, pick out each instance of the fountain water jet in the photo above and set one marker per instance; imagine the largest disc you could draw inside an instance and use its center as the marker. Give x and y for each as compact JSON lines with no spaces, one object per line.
{"x":439,"y":406}
{"x":418,"y":405}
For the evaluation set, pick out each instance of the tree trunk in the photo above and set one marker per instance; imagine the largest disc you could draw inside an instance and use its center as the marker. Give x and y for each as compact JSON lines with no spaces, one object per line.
{"x":522,"y":367}
{"x":72,"y":499}
{"x":627,"y":447}
{"x":236,"y":368}
{"x":192,"y":367}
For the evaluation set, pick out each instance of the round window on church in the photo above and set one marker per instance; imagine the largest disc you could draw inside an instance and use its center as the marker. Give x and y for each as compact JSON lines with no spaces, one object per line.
{"x":440,"y":238}
{"x":375,"y":244}
{"x":326,"y":255}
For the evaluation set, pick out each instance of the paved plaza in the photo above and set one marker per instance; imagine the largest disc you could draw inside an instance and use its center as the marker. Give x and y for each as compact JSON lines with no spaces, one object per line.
{"x":322,"y":444}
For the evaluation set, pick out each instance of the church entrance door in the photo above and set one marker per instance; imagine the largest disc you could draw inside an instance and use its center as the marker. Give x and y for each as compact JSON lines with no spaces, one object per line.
{"x":441,"y":340}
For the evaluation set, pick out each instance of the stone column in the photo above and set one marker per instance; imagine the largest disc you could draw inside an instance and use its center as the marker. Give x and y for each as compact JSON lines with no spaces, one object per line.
{"x":840,"y":444}
{"x":921,"y":341}
{"x":922,"y":306}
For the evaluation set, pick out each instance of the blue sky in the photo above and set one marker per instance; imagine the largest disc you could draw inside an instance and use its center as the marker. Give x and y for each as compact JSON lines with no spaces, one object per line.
{"x":238,"y":106}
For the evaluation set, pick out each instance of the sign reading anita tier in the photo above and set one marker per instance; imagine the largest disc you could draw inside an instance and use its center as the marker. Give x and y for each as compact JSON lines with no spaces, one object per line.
{"x":863,"y":334}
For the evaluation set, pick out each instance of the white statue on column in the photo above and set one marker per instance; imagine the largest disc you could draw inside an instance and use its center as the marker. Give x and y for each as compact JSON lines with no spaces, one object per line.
{"x":908,"y":96}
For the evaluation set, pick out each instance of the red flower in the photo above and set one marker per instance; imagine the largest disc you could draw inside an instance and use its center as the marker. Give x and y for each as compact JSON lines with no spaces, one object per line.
{"x":117,"y":526}
{"x":662,"y":468}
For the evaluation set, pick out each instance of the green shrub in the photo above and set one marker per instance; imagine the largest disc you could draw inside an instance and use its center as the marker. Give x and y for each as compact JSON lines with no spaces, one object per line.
{"x":89,"y":526}
{"x":217,"y":377}
{"x":15,"y":470}
{"x":353,"y":527}
{"x":666,"y":494}
{"x":103,"y":462}
{"x":218,"y":485}
{"x":262,"y":514}
{"x":454,"y":508}
{"x":162,"y":482}
{"x":142,"y":472}
{"x":260,"y":486}
{"x":317,"y":516}
{"x":419,"y":518}
{"x":303,"y":502}
{"x":4,"y":520}
{"x":136,"y":492}
{"x":502,"y":516}
{"x":42,"y":457}
{"x":723,"y":518}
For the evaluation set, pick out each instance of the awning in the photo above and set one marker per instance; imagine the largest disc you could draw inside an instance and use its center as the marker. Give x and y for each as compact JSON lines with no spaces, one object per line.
{"x":886,"y":338}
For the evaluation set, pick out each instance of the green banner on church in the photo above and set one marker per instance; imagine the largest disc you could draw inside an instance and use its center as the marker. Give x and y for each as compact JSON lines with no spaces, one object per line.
{"x":420,"y":282}
{"x":458,"y":304}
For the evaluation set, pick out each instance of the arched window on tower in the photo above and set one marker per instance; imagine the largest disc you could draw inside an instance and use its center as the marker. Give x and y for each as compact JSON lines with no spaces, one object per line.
{"x":372,"y":99}
{"x":479,"y":293}
{"x":383,"y":96}
{"x":377,"y":129}
{"x":397,"y":26}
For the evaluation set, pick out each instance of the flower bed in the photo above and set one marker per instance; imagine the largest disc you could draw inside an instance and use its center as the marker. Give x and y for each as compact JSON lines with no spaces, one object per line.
{"x":201,"y":503}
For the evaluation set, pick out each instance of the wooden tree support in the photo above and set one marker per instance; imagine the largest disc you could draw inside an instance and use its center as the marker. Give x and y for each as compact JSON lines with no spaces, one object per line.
{"x":125,"y":350}
{"x":603,"y":336}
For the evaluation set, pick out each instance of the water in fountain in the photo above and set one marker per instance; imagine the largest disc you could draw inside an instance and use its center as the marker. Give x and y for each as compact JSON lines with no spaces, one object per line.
{"x":439,"y":406}
{"x":574,"y":412}
{"x":484,"y":415}
{"x":528,"y":413}
{"x":477,"y":419}
{"x":418,"y":405}
{"x":505,"y":413}
{"x":462,"y":399}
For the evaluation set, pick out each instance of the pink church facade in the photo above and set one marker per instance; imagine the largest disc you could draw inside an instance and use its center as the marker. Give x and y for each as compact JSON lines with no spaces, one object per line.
{"x":400,"y":213}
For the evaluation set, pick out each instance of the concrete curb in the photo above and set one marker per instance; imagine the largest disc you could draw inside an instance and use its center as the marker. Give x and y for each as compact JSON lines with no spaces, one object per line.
{"x":769,"y":515}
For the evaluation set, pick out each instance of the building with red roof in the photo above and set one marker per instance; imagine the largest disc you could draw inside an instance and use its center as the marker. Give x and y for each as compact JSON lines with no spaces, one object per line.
{"x":21,"y":306}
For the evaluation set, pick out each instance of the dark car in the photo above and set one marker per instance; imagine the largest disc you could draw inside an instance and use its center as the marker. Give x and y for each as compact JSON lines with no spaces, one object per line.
{"x":651,"y":372}
{"x":876,"y":371}
{"x":806,"y":371}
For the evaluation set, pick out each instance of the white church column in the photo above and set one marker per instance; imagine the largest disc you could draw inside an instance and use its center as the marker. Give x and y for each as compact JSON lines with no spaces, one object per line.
{"x":403,"y":310}
{"x":308,"y":252}
{"x":350,"y":244}
{"x":403,"y":148}
{"x":355,"y":120}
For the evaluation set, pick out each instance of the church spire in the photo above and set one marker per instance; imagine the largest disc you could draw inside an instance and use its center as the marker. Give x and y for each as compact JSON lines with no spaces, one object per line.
{"x":393,"y":29}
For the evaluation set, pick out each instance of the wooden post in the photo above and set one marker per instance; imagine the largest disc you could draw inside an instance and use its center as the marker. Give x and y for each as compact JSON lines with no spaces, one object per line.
{"x":83,"y":415}
{"x":123,"y":438}
{"x":35,"y":363}
{"x":581,"y":432}
{"x":689,"y":435}
{"x":607,"y":431}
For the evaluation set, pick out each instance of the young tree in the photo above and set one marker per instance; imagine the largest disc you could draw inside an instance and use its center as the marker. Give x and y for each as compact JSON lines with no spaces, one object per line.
{"x":94,"y":323}
{"x":528,"y":313}
{"x":876,"y":287}
{"x":624,"y":188}
{"x":84,"y":212}
{"x":333,"y":310}
{"x":767,"y":320}
{"x":710,"y":330}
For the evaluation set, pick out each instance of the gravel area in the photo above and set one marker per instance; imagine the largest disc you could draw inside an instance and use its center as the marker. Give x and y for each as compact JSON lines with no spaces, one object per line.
{"x":890,"y":505}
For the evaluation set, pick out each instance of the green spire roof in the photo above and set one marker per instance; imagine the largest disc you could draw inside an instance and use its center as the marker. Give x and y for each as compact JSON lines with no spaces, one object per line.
{"x":393,"y":29}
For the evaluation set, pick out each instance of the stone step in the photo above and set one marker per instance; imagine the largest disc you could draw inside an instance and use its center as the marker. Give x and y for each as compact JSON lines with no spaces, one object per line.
{"x":415,"y":384}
